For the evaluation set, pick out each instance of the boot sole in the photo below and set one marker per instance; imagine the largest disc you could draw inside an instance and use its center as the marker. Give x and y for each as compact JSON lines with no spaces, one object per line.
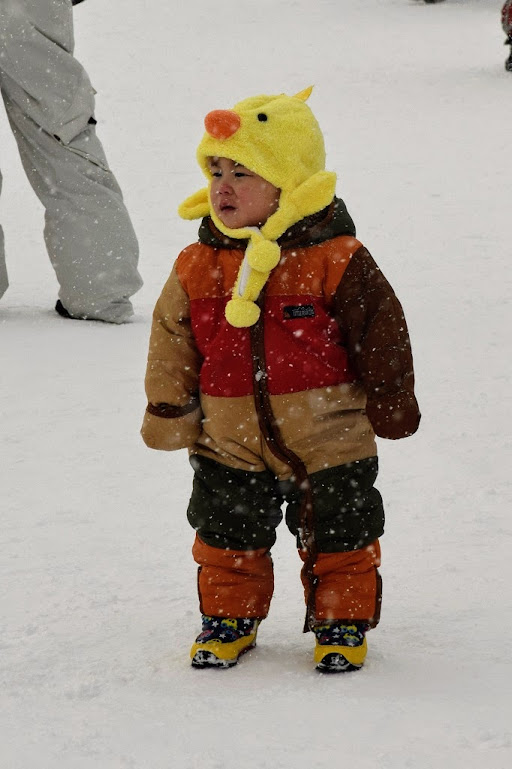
{"x":336,"y":663}
{"x":206,"y":659}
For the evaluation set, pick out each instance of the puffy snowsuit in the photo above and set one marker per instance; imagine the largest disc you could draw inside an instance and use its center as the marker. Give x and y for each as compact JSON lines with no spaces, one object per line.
{"x":299,"y":395}
{"x":278,"y":383}
{"x":50,"y":105}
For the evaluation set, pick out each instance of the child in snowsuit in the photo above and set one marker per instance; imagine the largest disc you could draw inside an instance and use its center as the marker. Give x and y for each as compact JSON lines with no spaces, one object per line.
{"x":506,"y":23}
{"x":278,"y":350}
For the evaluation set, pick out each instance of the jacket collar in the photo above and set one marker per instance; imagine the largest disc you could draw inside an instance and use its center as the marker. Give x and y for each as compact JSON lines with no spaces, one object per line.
{"x":326,"y":224}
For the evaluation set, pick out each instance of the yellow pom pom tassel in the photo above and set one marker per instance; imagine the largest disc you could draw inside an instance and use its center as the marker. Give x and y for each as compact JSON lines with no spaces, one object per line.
{"x":253,"y":286}
{"x":241,"y":313}
{"x":260,"y":259}
{"x":264,"y":256}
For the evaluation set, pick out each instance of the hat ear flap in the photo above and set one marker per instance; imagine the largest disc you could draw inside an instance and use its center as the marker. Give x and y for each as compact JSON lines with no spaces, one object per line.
{"x":196,"y":206}
{"x":315,"y":193}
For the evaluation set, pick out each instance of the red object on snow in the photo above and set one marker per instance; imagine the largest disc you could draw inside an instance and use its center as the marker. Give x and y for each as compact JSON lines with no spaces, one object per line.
{"x":506,"y":17}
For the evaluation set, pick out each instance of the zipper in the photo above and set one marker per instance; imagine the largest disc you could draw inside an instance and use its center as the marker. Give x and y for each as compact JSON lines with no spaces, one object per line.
{"x":274,"y":441}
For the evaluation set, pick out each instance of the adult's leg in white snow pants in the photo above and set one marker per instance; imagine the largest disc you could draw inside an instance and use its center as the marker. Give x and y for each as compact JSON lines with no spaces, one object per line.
{"x":50,"y":105}
{"x":4,"y":281}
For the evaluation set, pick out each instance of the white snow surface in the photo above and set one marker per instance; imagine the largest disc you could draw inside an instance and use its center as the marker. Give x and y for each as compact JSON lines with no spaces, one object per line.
{"x":98,"y":586}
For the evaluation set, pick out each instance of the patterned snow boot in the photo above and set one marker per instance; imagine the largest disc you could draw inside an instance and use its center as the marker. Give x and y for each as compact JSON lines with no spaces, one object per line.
{"x":222,"y":641}
{"x":340,"y":647}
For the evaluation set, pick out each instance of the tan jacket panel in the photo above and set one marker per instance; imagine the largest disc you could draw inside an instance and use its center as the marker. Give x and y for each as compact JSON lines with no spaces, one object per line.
{"x":172,"y":373}
{"x":325,"y":427}
{"x":167,"y":434}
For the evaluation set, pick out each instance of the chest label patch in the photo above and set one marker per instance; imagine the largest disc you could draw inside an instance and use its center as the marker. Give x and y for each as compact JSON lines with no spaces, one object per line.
{"x":292,"y":311}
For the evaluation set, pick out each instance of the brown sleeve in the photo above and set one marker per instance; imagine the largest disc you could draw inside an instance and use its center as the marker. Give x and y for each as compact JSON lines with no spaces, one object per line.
{"x":173,"y":416}
{"x":375,"y":332}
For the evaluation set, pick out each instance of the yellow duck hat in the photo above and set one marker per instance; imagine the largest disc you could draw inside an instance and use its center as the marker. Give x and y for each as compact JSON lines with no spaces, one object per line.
{"x":278,"y":138}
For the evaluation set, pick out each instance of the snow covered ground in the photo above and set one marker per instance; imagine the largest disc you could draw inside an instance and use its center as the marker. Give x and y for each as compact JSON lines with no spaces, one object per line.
{"x":98,"y":605}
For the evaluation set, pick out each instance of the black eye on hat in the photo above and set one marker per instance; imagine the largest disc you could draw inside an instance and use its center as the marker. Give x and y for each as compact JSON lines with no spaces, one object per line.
{"x":262,"y":117}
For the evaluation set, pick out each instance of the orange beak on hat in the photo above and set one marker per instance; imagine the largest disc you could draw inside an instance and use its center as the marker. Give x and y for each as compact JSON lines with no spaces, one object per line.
{"x":222,"y":123}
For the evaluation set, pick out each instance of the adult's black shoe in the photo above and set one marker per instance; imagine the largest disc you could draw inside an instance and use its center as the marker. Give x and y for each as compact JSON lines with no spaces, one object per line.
{"x":61,"y":310}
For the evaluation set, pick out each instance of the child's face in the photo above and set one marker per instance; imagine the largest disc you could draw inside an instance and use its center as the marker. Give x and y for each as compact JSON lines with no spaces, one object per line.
{"x":241,"y":198}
